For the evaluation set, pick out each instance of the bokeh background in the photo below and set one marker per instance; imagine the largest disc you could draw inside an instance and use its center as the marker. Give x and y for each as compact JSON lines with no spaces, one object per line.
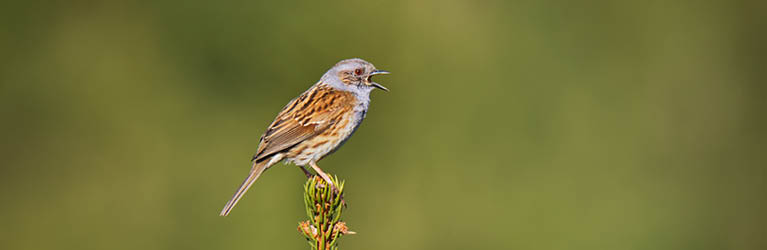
{"x":509,"y":125}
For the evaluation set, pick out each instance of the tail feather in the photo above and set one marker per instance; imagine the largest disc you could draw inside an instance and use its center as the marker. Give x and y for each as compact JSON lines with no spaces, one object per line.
{"x":255,"y":172}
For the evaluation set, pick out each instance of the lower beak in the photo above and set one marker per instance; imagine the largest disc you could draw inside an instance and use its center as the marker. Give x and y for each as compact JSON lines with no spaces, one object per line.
{"x":375,"y":84}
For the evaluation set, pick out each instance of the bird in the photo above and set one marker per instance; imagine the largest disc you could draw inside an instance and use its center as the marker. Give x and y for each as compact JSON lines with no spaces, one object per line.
{"x":316,"y":123}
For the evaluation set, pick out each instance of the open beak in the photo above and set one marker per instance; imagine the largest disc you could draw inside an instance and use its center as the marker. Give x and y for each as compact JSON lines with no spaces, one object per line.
{"x":375,"y":84}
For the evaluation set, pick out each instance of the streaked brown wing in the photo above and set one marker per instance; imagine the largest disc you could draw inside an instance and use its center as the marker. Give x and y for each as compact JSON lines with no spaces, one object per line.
{"x":304,"y":117}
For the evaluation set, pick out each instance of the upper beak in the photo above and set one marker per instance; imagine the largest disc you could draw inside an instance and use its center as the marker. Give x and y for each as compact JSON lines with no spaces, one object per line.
{"x":375,"y":84}
{"x":379,"y":72}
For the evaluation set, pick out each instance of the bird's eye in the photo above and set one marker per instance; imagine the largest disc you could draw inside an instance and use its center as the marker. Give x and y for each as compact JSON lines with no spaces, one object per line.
{"x":358,"y":71}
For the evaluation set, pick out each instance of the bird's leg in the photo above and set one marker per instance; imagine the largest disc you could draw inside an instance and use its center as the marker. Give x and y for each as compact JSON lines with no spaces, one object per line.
{"x":323,"y":175}
{"x":306,"y":172}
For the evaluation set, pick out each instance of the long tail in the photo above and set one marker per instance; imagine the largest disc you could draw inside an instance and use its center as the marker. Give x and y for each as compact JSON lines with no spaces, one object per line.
{"x":255,"y":171}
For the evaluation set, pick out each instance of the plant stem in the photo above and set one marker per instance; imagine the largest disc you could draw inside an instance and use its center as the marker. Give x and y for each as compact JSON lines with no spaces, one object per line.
{"x":323,"y":207}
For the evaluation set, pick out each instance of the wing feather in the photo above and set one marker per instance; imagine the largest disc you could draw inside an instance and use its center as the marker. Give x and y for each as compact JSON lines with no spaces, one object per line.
{"x":304,"y":117}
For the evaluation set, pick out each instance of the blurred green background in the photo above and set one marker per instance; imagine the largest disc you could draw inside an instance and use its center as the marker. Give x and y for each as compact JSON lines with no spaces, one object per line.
{"x":510,"y":124}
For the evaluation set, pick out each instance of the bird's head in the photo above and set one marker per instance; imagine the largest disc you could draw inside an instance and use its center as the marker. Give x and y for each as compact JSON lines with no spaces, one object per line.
{"x":353,"y":75}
